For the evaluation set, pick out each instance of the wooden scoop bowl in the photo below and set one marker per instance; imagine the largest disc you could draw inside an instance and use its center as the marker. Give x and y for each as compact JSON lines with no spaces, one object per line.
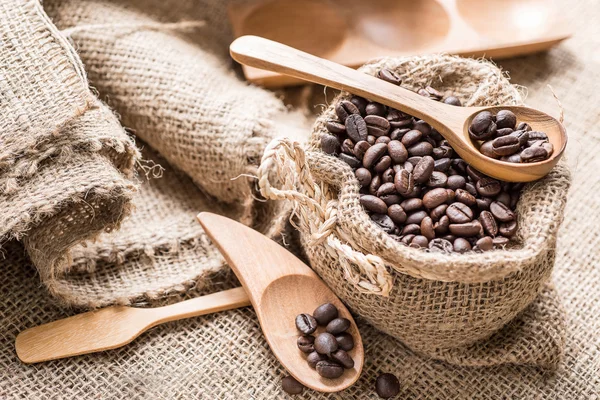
{"x":452,"y":122}
{"x":278,"y":285}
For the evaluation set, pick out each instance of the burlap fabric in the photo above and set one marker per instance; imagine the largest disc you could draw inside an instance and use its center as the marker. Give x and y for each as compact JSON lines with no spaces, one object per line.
{"x":224,"y":356}
{"x":66,"y":164}
{"x":430,"y":301}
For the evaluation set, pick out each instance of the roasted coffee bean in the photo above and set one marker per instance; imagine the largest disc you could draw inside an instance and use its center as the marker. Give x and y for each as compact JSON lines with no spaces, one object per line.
{"x":405,"y":239}
{"x":373,"y":204}
{"x":465,"y":197}
{"x":427,"y":228}
{"x":475,"y":174}
{"x":290,"y":385}
{"x":374,"y":185}
{"x":485,"y":243}
{"x":411,"y":137}
{"x":345,"y":341}
{"x":335,"y":127}
{"x":441,"y":226}
{"x":456,"y":182}
{"x":439,"y":211}
{"x":325,"y":313}
{"x":441,"y":164}
{"x":404,"y":182}
{"x":487,"y":149}
{"x":536,"y":135}
{"x":414,"y":160}
{"x":398,"y":119}
{"x":325,"y":343}
{"x":398,"y":133}
{"x":504,"y":198}
{"x":373,"y":154}
{"x":387,"y":176}
{"x":459,"y":165}
{"x":500,"y":241}
{"x":434,"y":93}
{"x":371,"y":139}
{"x":501,"y":212}
{"x":459,"y":213}
{"x":306,"y":343}
{"x":467,"y":229}
{"x":461,"y":245}
{"x":387,"y":385}
{"x":384,"y":222}
{"x":313,"y":358}
{"x":386,"y":188}
{"x":441,"y":245}
{"x":350,"y":160}
{"x":422,"y":126}
{"x":389,"y":76}
{"x":411,"y":229}
{"x":534,"y":154}
{"x":343,"y":358}
{"x":481,"y":126}
{"x":348,"y":147}
{"x":383,"y":164}
{"x":329,"y":369}
{"x":391,"y":199}
{"x":344,"y":109}
{"x":423,"y":170}
{"x":419,"y":241}
{"x":488,"y":222}
{"x":506,"y":145}
{"x":397,"y":152}
{"x":523,"y":126}
{"x":416,"y":217}
{"x":338,"y":326}
{"x":363,"y":176}
{"x":397,"y":214}
{"x":360,"y":103}
{"x":523,"y":137}
{"x":488,"y":187}
{"x":451,"y":195}
{"x":420,"y":149}
{"x":383,"y":139}
{"x":508,"y":229}
{"x":306,"y":323}
{"x":437,"y":180}
{"x":375,"y":109}
{"x":504,"y":132}
{"x":356,"y":128}
{"x":361,"y":148}
{"x":514,"y":158}
{"x":435,"y":197}
{"x":330,"y":144}
{"x":453,"y":101}
{"x":376,"y":125}
{"x":506,"y":119}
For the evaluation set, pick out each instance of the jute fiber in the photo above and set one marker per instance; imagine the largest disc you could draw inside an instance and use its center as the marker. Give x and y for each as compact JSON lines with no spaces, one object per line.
{"x":430,"y":301}
{"x":66,"y":164}
{"x":225,"y":356}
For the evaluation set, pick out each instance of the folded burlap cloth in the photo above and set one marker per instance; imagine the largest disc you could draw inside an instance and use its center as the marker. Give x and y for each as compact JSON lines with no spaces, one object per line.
{"x":168,"y":80}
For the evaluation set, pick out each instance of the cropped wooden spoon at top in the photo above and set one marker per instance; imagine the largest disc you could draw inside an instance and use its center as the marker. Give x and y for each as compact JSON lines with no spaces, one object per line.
{"x":276,"y":282}
{"x":452,"y":122}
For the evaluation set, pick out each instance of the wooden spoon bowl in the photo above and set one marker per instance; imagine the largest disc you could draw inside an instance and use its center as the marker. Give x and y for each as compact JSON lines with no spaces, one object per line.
{"x":450,"y":121}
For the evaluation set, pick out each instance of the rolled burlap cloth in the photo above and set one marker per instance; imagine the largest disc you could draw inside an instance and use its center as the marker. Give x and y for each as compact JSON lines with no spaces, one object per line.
{"x":438,"y":304}
{"x":66,"y":164}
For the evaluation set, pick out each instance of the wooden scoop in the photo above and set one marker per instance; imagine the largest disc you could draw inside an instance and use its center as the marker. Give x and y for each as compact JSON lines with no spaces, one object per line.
{"x":278,"y":285}
{"x":451,"y":121}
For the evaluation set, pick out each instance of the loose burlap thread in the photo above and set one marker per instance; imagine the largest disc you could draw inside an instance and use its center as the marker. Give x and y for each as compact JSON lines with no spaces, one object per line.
{"x":432,"y":302}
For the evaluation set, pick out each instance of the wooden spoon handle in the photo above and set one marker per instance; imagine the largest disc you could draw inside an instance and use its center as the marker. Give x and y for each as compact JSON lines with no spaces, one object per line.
{"x":266,"y":54}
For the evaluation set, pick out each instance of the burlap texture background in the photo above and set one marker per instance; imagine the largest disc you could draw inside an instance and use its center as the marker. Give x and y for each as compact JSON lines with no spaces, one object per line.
{"x":224,"y":355}
{"x":428,"y":300}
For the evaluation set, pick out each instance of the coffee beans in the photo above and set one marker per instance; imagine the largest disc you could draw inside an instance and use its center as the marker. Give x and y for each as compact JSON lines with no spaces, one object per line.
{"x":414,"y":186}
{"x":291,"y":386}
{"x":327,"y":352}
{"x":387,"y":385}
{"x":306,"y":323}
{"x":500,"y":137}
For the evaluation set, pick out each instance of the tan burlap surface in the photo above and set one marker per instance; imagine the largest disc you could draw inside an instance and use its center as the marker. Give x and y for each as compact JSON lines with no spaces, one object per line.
{"x":224,"y":356}
{"x":428,"y":300}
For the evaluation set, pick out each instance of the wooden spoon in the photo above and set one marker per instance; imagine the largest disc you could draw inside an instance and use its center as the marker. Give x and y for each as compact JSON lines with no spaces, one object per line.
{"x":451,"y":121}
{"x":278,"y":285}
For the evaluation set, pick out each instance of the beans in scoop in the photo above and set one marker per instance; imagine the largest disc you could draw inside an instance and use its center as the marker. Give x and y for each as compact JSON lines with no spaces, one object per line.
{"x":326,"y":351}
{"x":415,"y":187}
{"x":501,"y":137}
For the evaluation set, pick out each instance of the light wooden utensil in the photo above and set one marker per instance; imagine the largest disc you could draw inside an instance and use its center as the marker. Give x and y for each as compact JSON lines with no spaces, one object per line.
{"x":352,"y":32}
{"x":278,"y":285}
{"x":451,"y":121}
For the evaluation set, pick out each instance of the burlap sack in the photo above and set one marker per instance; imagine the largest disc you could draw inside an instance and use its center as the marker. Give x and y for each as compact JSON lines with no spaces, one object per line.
{"x":66,"y":164}
{"x":432,"y":302}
